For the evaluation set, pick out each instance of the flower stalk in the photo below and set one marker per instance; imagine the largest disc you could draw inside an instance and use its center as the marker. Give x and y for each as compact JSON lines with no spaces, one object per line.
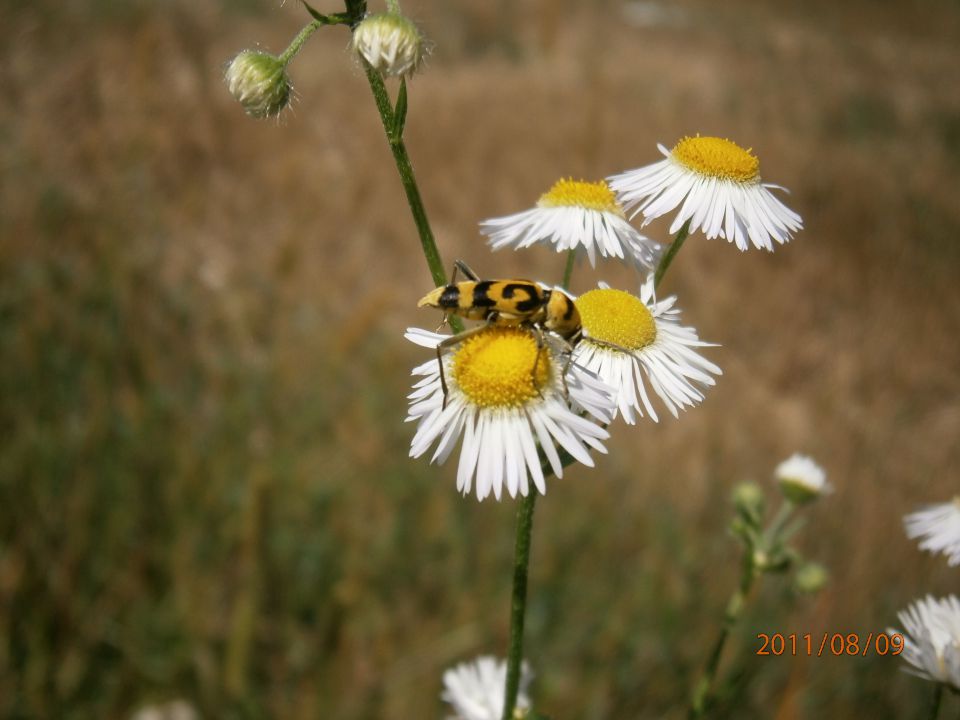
{"x":935,"y":702}
{"x":294,"y":47}
{"x":735,"y":605}
{"x":393,"y":122}
{"x":668,"y":256}
{"x":518,"y":601}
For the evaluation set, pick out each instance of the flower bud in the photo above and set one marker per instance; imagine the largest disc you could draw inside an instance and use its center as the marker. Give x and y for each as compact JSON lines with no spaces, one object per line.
{"x":801,"y":479}
{"x":390,"y":42}
{"x":811,"y":578}
{"x":749,"y":501}
{"x":259,"y":81}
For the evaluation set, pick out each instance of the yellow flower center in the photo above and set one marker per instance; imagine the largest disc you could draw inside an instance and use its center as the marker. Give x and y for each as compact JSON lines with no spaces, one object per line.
{"x":495,"y":368}
{"x":617,"y":317}
{"x":717,"y":158}
{"x":578,"y":193}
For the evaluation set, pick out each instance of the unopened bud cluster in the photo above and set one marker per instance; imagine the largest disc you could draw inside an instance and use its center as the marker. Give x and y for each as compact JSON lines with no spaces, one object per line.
{"x":767,"y":546}
{"x":259,"y":81}
{"x":391,"y":43}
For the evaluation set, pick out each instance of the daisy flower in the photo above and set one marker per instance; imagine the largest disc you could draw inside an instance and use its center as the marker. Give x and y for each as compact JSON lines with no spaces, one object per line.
{"x":476,"y":689}
{"x":801,"y":479}
{"x":630,"y":341}
{"x":932,"y":639}
{"x":939,"y":527}
{"x":719,"y":184}
{"x":502,"y":411}
{"x":575,"y":215}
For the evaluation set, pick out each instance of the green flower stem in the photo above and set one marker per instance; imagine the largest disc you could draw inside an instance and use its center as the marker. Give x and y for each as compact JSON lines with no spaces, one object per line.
{"x":298,"y":41}
{"x":935,"y":702}
{"x":568,"y":270}
{"x":701,"y":691}
{"x":668,"y":256}
{"x":402,"y":160}
{"x":776,"y":527}
{"x":521,"y":561}
{"x":518,"y":602}
{"x":393,"y":6}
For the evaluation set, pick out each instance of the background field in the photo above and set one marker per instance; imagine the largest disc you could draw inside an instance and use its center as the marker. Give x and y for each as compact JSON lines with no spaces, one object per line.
{"x":204,"y":484}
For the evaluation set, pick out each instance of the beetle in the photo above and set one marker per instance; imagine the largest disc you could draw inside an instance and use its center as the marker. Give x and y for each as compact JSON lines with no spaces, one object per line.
{"x":503,"y":303}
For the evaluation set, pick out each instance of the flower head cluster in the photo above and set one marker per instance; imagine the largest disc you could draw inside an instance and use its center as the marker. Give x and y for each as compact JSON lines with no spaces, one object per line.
{"x":517,"y":399}
{"x":475,"y":690}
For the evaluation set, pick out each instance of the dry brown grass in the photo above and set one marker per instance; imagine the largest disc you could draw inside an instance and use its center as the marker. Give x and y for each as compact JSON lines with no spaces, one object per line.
{"x":252,"y":280}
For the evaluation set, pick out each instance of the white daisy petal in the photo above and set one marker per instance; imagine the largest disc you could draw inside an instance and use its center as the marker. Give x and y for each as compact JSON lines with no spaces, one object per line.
{"x":932,"y":639}
{"x":475,"y":690}
{"x":716,"y":185}
{"x":938,"y":528}
{"x":575,"y":215}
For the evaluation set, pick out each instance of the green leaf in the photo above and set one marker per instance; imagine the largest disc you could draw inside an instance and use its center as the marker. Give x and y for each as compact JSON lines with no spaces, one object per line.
{"x":334,"y":19}
{"x":400,"y":111}
{"x":318,"y":16}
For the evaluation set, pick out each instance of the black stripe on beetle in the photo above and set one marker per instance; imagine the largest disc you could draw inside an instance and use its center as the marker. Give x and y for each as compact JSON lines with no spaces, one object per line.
{"x":532,"y":301}
{"x":450,"y":297}
{"x":480,"y":297}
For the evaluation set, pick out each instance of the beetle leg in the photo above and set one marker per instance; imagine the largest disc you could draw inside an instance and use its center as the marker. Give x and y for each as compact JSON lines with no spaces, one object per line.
{"x":450,"y":342}
{"x":465,"y":269}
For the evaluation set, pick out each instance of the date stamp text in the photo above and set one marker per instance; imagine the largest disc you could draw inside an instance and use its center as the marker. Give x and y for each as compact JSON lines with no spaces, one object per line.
{"x":835,"y":644}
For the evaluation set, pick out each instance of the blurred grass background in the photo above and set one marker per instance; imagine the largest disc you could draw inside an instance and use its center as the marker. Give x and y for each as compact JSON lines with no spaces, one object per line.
{"x":204,"y":484}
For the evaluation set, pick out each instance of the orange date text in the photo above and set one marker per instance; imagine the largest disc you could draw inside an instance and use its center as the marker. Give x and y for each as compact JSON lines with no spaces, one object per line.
{"x":836,"y":644}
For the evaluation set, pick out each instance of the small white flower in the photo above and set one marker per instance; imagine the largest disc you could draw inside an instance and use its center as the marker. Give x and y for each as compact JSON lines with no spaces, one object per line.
{"x":801,"y":479}
{"x":939,"y":527}
{"x":658,"y":346}
{"x":476,"y":689}
{"x":503,"y":411}
{"x":719,"y":184}
{"x":575,"y":215}
{"x":391,"y":43}
{"x":932,"y":639}
{"x":173,"y":710}
{"x":258,"y":80}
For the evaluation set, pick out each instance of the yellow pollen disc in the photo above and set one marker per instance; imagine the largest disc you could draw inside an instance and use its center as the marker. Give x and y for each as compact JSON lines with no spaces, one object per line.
{"x":617,"y":317}
{"x":578,"y":193}
{"x":718,"y":158}
{"x":495,"y":368}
